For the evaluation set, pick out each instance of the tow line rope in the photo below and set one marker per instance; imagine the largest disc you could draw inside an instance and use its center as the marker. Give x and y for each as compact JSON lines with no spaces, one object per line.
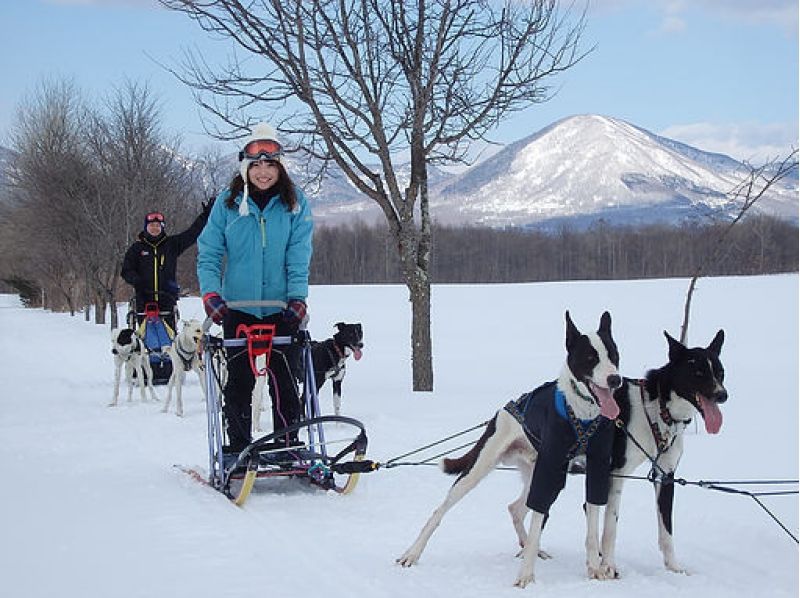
{"x":395,"y":462}
{"x":657,"y":473}
{"x":725,"y":486}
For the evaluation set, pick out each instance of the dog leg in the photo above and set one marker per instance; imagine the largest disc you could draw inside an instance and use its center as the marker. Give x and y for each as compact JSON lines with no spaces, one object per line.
{"x":201,"y":374}
{"x":143,"y":382}
{"x":594,"y":565}
{"x":518,"y":509}
{"x":148,"y":370}
{"x":170,"y":386}
{"x":664,"y":498}
{"x":610,"y":521}
{"x":129,"y":369}
{"x":488,"y":457}
{"x":117,"y":377}
{"x":337,"y":396}
{"x":179,"y":394}
{"x":526,"y":571}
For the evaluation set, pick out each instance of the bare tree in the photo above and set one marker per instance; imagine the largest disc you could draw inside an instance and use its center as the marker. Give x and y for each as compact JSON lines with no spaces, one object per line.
{"x":752,"y":188}
{"x":138,"y":169}
{"x":83,"y":177}
{"x":373,"y":85}
{"x":49,"y":176}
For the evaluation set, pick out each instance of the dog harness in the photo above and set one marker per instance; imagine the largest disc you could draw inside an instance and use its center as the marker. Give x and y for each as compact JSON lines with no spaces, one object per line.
{"x":337,"y":360}
{"x":558,"y":435}
{"x":665,"y":439}
{"x":185,"y":356}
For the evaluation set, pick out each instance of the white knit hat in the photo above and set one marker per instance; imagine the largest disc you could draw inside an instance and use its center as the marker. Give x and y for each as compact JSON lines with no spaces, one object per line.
{"x":262,"y":131}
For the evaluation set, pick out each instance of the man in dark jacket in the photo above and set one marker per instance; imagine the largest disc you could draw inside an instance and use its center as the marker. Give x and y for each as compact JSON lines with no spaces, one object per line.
{"x":150,"y":263}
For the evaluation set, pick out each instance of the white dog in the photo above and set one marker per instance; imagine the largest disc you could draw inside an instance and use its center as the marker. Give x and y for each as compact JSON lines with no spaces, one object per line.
{"x":185,"y":355}
{"x":129,"y":351}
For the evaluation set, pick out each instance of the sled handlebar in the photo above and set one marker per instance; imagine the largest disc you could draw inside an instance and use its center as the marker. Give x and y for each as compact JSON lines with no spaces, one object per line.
{"x":234,"y":304}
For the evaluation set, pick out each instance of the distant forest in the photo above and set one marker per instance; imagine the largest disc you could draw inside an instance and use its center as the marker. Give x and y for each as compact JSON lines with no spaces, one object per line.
{"x":362,"y":254}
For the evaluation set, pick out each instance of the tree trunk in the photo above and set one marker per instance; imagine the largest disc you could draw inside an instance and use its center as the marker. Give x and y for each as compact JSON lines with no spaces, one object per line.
{"x":113,"y":304}
{"x":417,"y":278}
{"x":421,"y":349}
{"x":99,"y":310}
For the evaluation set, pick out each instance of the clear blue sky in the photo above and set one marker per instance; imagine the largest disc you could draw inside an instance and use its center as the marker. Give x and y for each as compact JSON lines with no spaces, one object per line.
{"x":721,"y":75}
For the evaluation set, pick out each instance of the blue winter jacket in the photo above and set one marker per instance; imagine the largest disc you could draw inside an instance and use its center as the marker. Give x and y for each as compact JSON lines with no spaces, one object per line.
{"x":268,"y":252}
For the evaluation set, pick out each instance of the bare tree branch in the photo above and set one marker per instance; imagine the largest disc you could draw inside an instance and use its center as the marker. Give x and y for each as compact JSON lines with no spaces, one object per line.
{"x":752,"y":188}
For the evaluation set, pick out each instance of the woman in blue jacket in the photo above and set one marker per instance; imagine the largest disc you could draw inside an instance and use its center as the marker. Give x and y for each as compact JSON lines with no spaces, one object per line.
{"x":261,"y":229}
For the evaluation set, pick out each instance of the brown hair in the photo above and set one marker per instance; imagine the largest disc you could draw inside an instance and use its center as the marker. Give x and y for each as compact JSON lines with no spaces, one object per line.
{"x":285,"y":188}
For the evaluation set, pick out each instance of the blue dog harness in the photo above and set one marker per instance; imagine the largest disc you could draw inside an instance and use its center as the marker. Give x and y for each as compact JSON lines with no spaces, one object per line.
{"x":558,"y":435}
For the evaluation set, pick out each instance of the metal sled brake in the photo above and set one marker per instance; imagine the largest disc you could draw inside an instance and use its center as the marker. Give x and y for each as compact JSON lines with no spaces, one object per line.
{"x":330,"y":449}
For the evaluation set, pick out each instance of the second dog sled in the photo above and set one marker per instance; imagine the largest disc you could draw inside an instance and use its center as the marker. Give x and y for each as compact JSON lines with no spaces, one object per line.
{"x":151,"y":325}
{"x":330,"y":450}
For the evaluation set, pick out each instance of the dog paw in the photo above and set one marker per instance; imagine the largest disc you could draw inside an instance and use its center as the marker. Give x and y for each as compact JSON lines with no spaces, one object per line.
{"x":523,"y":580}
{"x":408,"y":559}
{"x":602,"y":573}
{"x":676,"y":568}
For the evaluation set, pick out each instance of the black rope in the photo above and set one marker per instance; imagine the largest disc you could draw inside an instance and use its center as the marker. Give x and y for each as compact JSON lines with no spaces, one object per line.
{"x":394,"y":461}
{"x":429,"y":460}
{"x":668,"y":478}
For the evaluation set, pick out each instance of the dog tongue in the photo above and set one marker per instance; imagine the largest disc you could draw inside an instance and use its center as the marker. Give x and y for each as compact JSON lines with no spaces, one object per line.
{"x":608,"y":406}
{"x":356,"y":353}
{"x":711,"y":415}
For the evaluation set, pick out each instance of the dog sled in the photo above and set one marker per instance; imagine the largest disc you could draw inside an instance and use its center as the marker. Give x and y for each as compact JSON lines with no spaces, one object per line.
{"x":151,"y":325}
{"x":330,"y":449}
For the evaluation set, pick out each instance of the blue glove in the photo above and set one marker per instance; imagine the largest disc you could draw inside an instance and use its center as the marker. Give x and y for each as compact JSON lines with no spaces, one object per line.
{"x":295,"y":312}
{"x":215,"y":307}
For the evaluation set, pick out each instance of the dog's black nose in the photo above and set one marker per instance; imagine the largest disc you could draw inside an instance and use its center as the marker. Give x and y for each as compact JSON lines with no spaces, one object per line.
{"x":614,"y":381}
{"x":721,"y":396}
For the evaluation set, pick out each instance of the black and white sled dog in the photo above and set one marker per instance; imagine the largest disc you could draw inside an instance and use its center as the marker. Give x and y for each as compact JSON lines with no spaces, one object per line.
{"x":130,"y":352}
{"x":656,"y":411}
{"x":539,"y":433}
{"x":186,"y":357}
{"x":330,"y":358}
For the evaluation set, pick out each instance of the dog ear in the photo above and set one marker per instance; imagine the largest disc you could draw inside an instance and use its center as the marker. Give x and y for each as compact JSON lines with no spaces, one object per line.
{"x":675,"y":347}
{"x":716,"y":345}
{"x":605,"y":323}
{"x":572,"y":332}
{"x":339,"y":325}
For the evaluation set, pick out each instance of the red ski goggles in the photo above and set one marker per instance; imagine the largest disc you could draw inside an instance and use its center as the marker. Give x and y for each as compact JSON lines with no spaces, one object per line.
{"x":154,"y":217}
{"x":261,"y":149}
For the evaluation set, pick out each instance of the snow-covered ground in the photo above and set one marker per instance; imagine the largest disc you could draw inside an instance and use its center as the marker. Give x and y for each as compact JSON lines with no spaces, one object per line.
{"x":91,"y":504}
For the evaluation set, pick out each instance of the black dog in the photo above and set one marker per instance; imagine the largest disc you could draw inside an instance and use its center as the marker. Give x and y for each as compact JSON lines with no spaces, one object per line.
{"x":656,"y":411}
{"x":330,"y":355}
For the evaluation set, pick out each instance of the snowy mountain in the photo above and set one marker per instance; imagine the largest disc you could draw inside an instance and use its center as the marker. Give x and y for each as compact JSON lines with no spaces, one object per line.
{"x":576,"y":171}
{"x":589,"y":167}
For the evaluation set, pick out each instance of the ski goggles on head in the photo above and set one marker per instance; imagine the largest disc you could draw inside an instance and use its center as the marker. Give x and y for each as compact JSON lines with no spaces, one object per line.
{"x":154,"y":217}
{"x":261,"y":149}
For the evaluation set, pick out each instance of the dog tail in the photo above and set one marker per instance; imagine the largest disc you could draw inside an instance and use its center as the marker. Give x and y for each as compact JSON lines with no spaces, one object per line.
{"x":464,"y":463}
